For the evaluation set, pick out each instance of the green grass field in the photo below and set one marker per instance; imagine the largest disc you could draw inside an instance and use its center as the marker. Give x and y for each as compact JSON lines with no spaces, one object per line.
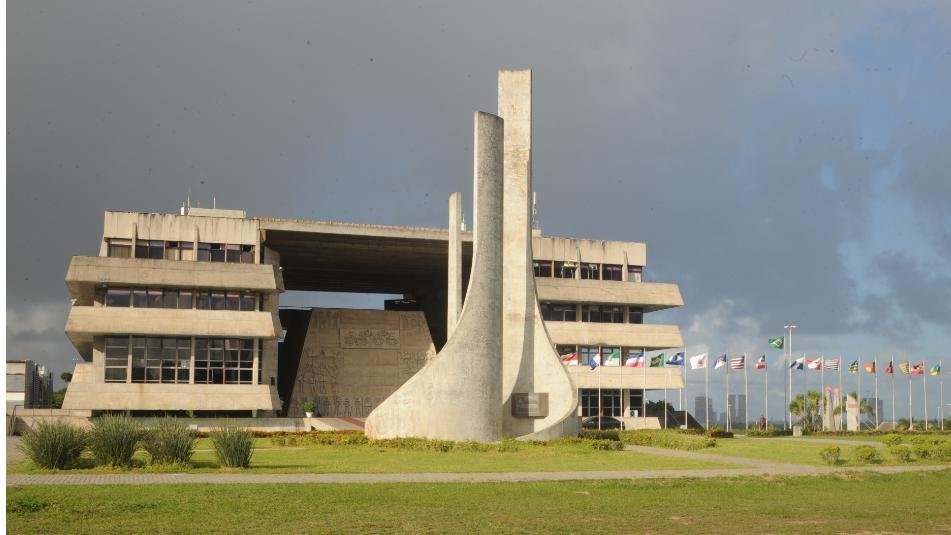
{"x":796,"y":451}
{"x":371,"y":459}
{"x":907,"y":503}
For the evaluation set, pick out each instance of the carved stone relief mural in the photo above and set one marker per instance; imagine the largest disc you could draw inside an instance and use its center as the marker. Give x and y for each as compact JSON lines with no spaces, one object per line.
{"x":352,"y":360}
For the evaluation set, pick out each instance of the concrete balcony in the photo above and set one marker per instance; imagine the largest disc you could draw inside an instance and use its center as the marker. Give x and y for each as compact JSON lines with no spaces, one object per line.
{"x":624,"y":377}
{"x":635,"y":335}
{"x":87,"y":272}
{"x":650,"y":296}
{"x":85,"y":322}
{"x":170,"y":397}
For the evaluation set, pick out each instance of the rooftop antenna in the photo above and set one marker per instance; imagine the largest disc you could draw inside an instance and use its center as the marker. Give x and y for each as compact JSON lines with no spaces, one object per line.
{"x":214,"y":202}
{"x":535,"y":210}
{"x":463,"y":225}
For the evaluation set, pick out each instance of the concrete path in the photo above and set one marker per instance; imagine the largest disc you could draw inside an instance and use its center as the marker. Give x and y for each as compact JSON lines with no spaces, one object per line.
{"x":751,"y":468}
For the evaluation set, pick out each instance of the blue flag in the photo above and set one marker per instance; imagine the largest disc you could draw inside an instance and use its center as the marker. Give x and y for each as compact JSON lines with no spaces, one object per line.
{"x":720,"y":362}
{"x":595,"y":361}
{"x":797,"y":364}
{"x":677,"y":359}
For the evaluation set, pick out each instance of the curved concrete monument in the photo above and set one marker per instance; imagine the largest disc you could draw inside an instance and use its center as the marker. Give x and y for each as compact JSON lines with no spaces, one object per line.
{"x":457,"y":395}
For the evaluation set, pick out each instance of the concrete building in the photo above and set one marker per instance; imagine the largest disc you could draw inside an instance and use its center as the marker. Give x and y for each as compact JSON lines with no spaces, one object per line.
{"x":182,"y":311}
{"x":736,"y":404}
{"x":703,"y":405}
{"x":28,"y":385}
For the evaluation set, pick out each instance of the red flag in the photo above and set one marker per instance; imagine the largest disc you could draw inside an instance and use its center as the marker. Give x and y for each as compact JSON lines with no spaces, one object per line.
{"x":870,"y":367}
{"x":918,"y":369}
{"x":888,"y":369}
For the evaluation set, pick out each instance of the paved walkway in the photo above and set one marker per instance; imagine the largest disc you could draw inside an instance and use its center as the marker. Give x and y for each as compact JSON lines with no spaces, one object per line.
{"x":751,"y":467}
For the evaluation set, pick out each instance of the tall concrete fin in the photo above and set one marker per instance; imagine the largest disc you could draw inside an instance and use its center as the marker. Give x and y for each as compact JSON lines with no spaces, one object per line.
{"x":454,"y":293}
{"x":530,"y":363}
{"x":456,"y":395}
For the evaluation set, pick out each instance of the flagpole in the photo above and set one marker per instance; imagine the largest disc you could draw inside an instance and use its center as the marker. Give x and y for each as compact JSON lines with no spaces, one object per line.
{"x":941,"y":392}
{"x":746,"y":395}
{"x":644,"y":391}
{"x":911,"y":423}
{"x":666,"y":376}
{"x":600,"y":404}
{"x":877,"y":416}
{"x":924,"y":383}
{"x":822,"y":389}
{"x":894,"y":416}
{"x":861,"y":366}
{"x":766,"y":393}
{"x":838,"y":424}
{"x":684,"y":391}
{"x":706,"y":392}
{"x":729,"y":415}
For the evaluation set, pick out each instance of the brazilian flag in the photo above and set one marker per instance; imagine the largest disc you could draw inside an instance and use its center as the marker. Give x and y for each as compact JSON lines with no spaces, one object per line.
{"x":657,"y":361}
{"x":776,"y":343}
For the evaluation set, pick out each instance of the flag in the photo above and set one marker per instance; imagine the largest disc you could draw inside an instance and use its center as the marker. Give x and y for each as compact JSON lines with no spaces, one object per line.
{"x":738,"y":363}
{"x":776,"y":343}
{"x":870,"y":367}
{"x":814,"y":364}
{"x":854,"y":367}
{"x":904,"y":368}
{"x":918,"y":369}
{"x":796,"y":364}
{"x":635,"y":361}
{"x":676,"y":360}
{"x":889,"y":369}
{"x":761,"y":363}
{"x":595,"y":361}
{"x":698,"y":362}
{"x":831,"y":364}
{"x":571,"y":359}
{"x":721,"y":362}
{"x":657,"y":361}
{"x":614,"y":359}
{"x":936,"y":370}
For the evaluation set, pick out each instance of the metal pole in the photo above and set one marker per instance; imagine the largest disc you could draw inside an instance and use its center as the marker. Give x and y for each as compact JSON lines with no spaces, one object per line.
{"x":729,"y":415}
{"x":859,"y":393}
{"x":706,"y":391}
{"x":645,"y":362}
{"x":894,"y":418}
{"x":766,"y":393}
{"x":924,"y":384}
{"x":878,"y":418}
{"x":746,"y":394}
{"x":684,"y":391}
{"x":911,"y":423}
{"x":941,"y":392}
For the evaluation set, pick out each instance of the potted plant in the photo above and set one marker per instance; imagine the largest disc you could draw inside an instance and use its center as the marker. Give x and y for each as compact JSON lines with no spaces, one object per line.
{"x":309,"y":408}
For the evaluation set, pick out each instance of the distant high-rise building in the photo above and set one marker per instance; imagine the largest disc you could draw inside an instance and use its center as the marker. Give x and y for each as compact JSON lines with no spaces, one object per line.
{"x":28,"y":385}
{"x":702,"y":405}
{"x":737,"y":408}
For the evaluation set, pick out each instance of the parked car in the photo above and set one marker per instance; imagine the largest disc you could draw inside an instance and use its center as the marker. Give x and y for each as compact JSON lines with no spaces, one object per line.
{"x":607,"y":422}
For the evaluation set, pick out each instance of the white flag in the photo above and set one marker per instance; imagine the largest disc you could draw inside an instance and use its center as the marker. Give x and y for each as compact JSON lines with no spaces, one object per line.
{"x":698,"y":362}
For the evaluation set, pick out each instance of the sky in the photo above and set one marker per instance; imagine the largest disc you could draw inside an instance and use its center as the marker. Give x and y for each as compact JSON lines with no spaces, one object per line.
{"x":783,"y":163}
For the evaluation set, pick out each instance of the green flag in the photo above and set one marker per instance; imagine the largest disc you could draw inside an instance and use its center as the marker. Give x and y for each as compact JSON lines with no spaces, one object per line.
{"x":776,"y":343}
{"x":657,"y":361}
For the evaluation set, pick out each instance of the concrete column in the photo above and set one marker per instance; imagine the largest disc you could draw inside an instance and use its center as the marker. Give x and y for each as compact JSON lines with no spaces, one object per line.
{"x":454,"y":300}
{"x":456,"y":396}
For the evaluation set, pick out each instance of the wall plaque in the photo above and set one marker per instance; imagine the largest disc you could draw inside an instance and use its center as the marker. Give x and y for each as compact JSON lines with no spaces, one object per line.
{"x":530,"y":405}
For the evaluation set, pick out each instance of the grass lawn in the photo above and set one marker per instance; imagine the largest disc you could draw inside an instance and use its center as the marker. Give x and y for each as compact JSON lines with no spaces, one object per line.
{"x":371,"y":459}
{"x":867,"y":503}
{"x":795,"y":451}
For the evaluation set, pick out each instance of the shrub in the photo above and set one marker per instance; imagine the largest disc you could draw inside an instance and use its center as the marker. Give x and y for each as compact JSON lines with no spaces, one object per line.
{"x":901,"y":453}
{"x":768,"y":432}
{"x":607,"y":445}
{"x":830,"y":454}
{"x":233,"y":446}
{"x":668,"y":439}
{"x":53,"y":444}
{"x":718,"y":433}
{"x":169,"y":442}
{"x":25,"y":503}
{"x":278,"y":440}
{"x":892,"y":439}
{"x":867,"y":455}
{"x":922,"y":450}
{"x":114,"y":439}
{"x":508,"y":445}
{"x":595,"y":434}
{"x":942,"y":452}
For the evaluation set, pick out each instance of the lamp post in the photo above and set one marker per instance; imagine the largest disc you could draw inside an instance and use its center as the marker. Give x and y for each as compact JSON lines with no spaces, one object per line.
{"x":789,"y":328}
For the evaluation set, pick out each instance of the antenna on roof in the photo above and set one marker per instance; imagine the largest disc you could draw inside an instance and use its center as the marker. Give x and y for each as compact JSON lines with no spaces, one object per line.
{"x":214,"y":202}
{"x":463,"y":224}
{"x":535,"y":210}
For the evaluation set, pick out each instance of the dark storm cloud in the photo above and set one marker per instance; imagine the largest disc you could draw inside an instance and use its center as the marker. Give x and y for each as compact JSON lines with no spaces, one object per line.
{"x":729,"y":139}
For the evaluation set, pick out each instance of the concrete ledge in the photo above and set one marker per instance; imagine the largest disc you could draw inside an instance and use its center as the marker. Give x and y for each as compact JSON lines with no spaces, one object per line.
{"x":169,"y":397}
{"x":624,"y":377}
{"x":651,"y":296}
{"x":638,"y":335}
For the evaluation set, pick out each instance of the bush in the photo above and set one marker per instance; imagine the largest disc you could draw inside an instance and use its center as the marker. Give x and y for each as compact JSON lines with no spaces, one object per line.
{"x":607,"y":445}
{"x":867,"y":455}
{"x":830,"y":454}
{"x":169,"y":442}
{"x":233,"y":446}
{"x":718,"y":433}
{"x":114,"y":439}
{"x":54,"y":444}
{"x":768,"y":432}
{"x":508,"y":445}
{"x":604,"y":434}
{"x":668,"y":439}
{"x":25,"y":503}
{"x":892,"y":439}
{"x":922,"y":451}
{"x":942,"y":452}
{"x":901,"y":453}
{"x":278,"y":440}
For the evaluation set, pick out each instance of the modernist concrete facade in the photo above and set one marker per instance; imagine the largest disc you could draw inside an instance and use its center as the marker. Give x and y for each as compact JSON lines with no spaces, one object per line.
{"x":181,"y":311}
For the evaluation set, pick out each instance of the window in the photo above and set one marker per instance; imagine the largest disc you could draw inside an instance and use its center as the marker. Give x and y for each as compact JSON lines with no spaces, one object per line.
{"x":564,"y":312}
{"x":185,"y":299}
{"x":119,"y":248}
{"x":589,"y":402}
{"x":542,"y":268}
{"x":587,"y":353}
{"x":233,"y":253}
{"x":247,"y":301}
{"x":118,"y":297}
{"x":170,"y":299}
{"x":218,"y":300}
{"x":140,"y":298}
{"x":117,"y":358}
{"x":612,"y":314}
{"x":634,"y":273}
{"x":160,"y":360}
{"x":565,"y":270}
{"x":204,"y":252}
{"x":636,"y":401}
{"x":247,"y":254}
{"x":232,"y":300}
{"x":217,"y":252}
{"x":154,"y":299}
{"x":590,"y":271}
{"x":611,"y":402}
{"x":591,"y":313}
{"x":154,"y":249}
{"x":223,"y":360}
{"x":635,"y":315}
{"x":612,"y":272}
{"x":563,"y":350}
{"x":545,"y":310}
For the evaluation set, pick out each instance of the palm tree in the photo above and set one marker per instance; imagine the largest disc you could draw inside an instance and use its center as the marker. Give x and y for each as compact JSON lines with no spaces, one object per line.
{"x":806,"y":407}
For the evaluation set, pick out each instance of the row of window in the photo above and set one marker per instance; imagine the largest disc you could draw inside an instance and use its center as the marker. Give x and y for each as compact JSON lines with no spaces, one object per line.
{"x":610,"y":402}
{"x":590,"y":313}
{"x":586,"y":353}
{"x":182,"y":250}
{"x":180,"y":299}
{"x":152,"y":359}
{"x":585,"y":270}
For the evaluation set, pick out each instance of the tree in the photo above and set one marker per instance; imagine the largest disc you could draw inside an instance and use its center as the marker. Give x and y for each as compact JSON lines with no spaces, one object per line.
{"x":806,"y":408}
{"x":66,"y":377}
{"x":58,"y":397}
